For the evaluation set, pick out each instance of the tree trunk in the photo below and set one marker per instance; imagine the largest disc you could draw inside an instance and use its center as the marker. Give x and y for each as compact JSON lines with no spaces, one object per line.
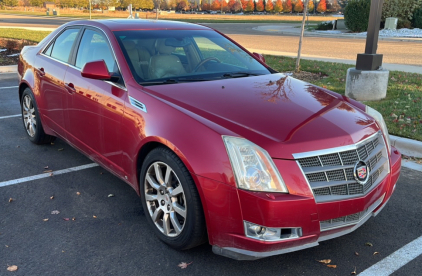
{"x":305,"y":11}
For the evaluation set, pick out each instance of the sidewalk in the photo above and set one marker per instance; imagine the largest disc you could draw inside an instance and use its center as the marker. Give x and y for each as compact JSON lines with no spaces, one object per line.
{"x":294,"y":29}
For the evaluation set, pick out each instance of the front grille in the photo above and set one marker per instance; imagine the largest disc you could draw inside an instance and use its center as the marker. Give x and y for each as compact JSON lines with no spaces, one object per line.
{"x":351,"y":219}
{"x":331,"y":175}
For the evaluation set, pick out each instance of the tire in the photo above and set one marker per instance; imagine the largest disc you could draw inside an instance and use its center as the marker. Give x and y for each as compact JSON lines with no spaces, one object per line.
{"x":32,"y":121}
{"x":176,"y":202}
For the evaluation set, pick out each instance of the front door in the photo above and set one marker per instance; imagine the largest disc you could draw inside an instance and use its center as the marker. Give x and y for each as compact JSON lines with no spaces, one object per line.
{"x":95,"y":107}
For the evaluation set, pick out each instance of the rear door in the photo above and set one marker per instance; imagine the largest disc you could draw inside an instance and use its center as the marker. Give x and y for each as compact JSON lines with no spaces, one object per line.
{"x":95,"y":107}
{"x":51,"y":66}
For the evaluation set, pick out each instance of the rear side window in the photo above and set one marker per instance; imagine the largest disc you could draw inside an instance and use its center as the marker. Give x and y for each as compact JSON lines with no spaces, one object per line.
{"x":61,"y":47}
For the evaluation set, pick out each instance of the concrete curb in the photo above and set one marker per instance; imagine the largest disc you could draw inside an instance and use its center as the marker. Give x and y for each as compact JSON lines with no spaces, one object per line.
{"x":407,"y":146}
{"x":9,"y":69}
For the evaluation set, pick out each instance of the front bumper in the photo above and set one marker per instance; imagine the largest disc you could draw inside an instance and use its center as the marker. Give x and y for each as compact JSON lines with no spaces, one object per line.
{"x":225,"y":216}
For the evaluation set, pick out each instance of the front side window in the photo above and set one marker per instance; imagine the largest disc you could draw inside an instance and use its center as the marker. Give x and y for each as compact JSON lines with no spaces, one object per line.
{"x":60,"y":49}
{"x":94,"y":46}
{"x":172,"y":56}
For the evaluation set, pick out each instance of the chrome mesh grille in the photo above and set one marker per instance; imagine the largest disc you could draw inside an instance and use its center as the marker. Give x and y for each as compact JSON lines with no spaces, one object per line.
{"x":331,"y":176}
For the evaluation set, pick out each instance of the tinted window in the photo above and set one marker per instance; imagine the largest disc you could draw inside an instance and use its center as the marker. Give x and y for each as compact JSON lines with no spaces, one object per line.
{"x":183,"y":55}
{"x":94,"y":46}
{"x":63,"y":44}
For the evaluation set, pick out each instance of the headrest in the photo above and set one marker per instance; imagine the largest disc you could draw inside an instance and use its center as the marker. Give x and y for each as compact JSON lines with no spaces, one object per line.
{"x":129,"y":45}
{"x":162,"y":48}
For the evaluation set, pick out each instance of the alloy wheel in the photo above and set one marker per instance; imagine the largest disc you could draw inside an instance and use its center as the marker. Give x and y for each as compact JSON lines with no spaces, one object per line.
{"x":29,"y":116}
{"x":165,"y":199}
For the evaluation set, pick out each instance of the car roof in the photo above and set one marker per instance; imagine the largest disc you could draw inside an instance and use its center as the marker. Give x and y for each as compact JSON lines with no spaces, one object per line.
{"x":141,"y":24}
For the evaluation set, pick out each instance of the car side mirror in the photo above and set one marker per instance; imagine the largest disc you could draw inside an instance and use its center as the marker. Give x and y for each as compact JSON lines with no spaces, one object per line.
{"x":259,"y":57}
{"x":96,"y":70}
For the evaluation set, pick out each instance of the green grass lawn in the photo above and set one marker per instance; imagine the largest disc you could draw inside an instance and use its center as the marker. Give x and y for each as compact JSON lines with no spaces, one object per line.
{"x":34,"y":36}
{"x":402,"y":108}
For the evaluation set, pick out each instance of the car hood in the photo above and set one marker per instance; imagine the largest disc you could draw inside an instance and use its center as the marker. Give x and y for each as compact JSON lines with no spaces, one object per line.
{"x":279,"y":113}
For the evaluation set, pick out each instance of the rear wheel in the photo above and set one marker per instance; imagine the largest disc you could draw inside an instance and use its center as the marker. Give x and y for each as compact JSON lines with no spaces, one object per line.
{"x":31,"y":119}
{"x":171,"y":201}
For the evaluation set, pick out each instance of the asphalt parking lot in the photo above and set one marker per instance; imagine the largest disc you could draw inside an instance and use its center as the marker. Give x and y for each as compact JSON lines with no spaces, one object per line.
{"x":100,"y":228}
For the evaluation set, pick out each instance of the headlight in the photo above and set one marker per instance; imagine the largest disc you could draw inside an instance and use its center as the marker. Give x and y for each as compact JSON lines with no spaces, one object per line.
{"x":380,"y":120}
{"x":253,"y":167}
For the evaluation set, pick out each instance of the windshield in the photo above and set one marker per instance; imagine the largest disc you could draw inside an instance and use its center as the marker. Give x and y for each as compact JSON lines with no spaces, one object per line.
{"x":173,"y":56}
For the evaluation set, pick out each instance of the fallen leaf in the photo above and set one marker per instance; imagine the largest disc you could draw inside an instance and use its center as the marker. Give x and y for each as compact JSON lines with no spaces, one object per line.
{"x":368,"y":244}
{"x":51,"y":174}
{"x":46,"y":167}
{"x":73,"y":218}
{"x":78,"y":193}
{"x":326,"y":261}
{"x":47,"y":171}
{"x":55,"y":212}
{"x":184,"y":265}
{"x":18,"y":146}
{"x":353,"y":272}
{"x":51,"y":197}
{"x":375,"y":253}
{"x":12,"y":268}
{"x":332,"y":266}
{"x":10,"y":200}
{"x":60,"y":149}
{"x":52,"y":143}
{"x":110,"y":195}
{"x":66,"y":219}
{"x":45,"y":219}
{"x":94,"y":216}
{"x":356,"y":253}
{"x":6,"y":245}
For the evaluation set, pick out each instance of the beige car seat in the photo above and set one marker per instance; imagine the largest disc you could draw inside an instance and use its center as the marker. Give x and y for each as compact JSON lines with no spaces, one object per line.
{"x":164,"y":64}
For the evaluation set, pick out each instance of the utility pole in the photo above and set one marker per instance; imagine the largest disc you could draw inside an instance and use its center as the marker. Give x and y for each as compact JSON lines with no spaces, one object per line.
{"x":89,"y":9}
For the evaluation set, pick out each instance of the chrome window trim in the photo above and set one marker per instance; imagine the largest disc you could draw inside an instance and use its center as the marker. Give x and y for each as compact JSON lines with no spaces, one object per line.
{"x":333,"y":150}
{"x":79,"y":69}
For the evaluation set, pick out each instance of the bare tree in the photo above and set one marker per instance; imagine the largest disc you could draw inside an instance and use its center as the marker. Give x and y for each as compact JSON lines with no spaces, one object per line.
{"x":157,"y":4}
{"x":305,"y":11}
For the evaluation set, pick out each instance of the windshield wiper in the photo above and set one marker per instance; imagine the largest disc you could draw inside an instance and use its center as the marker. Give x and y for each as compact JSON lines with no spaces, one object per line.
{"x":171,"y":81}
{"x":239,"y":75}
{"x":167,"y":81}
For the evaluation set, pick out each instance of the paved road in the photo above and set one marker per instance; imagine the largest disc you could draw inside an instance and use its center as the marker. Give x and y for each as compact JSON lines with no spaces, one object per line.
{"x":397,"y":52}
{"x":119,"y":242}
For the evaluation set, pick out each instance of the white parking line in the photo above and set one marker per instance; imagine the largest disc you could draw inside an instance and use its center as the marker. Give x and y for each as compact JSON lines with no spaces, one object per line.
{"x":45,"y":175}
{"x":11,"y":116}
{"x":9,"y":87}
{"x":396,"y":260}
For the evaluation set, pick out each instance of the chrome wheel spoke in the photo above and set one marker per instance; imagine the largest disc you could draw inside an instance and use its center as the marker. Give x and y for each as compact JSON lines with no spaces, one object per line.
{"x":158,"y":173}
{"x":178,"y":190}
{"x":166,"y":224}
{"x":150,"y":197}
{"x":179,"y":209}
{"x":152,"y":183}
{"x":167,"y":176}
{"x":156,"y":215}
{"x":176,"y":225}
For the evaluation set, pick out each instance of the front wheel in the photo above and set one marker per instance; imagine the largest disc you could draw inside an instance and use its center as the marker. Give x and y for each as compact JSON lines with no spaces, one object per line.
{"x":171,"y":201}
{"x":31,"y":119}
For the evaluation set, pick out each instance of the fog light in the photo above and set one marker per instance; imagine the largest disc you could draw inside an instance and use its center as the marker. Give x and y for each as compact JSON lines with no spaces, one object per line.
{"x":263,"y":233}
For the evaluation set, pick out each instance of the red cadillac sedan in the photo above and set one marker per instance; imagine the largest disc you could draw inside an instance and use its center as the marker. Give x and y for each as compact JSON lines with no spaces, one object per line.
{"x":218,"y":145}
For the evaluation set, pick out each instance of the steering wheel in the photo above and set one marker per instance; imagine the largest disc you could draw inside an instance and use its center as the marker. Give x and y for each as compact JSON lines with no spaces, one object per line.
{"x":202,"y":62}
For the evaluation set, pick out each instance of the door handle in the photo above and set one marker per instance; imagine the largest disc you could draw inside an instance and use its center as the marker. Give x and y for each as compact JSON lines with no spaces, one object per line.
{"x":41,"y":72}
{"x":70,"y":88}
